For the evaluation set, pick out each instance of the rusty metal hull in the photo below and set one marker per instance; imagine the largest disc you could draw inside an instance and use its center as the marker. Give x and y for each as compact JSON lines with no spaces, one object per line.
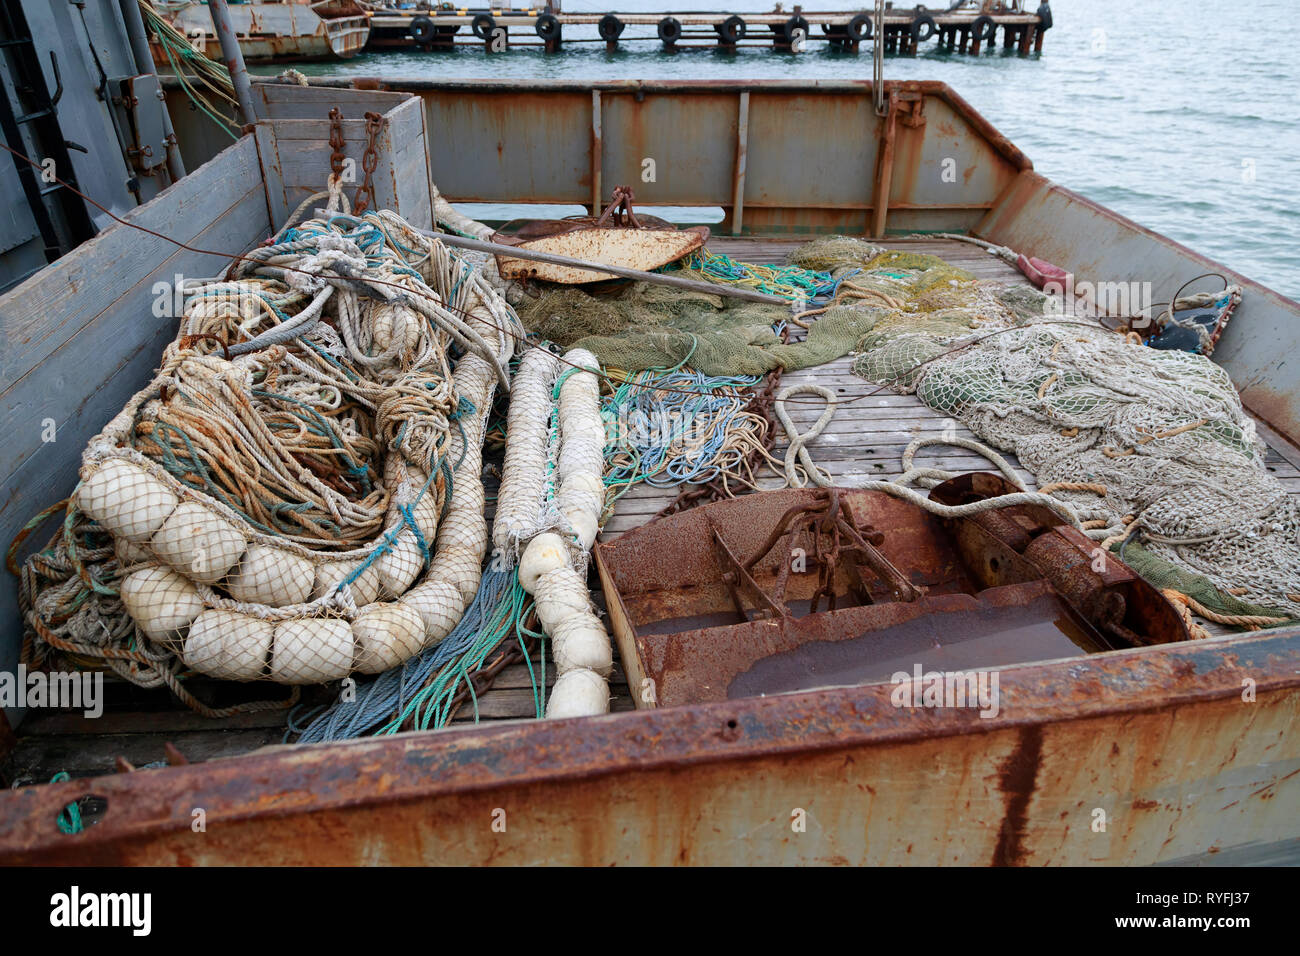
{"x":274,"y":33}
{"x":1156,"y":745}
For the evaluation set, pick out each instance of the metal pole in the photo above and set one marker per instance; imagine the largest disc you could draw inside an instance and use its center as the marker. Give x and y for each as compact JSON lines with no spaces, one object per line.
{"x":878,"y":59}
{"x":657,"y":278}
{"x":234,"y":58}
{"x":144,"y":64}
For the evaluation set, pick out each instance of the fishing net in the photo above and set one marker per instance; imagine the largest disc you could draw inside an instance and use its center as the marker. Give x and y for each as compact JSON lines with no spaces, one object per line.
{"x":296,"y":494}
{"x":643,"y":326}
{"x":834,"y":254}
{"x":1163,"y":431}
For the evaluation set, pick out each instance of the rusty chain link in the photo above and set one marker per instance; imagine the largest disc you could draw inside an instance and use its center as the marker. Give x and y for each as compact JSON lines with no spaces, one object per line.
{"x":337,"y":142}
{"x":369,"y":161}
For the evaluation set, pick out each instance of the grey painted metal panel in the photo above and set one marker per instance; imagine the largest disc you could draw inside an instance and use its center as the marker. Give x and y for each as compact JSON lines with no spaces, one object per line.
{"x":943,"y":161}
{"x":831,"y":170}
{"x":537,"y":142}
{"x":511,"y":146}
{"x":57,"y":27}
{"x":690,"y":138}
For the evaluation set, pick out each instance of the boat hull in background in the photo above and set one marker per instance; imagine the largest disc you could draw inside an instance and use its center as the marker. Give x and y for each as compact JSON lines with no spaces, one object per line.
{"x":279,"y":32}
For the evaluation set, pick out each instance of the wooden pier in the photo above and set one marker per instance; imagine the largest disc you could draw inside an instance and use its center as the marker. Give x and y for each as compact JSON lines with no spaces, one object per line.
{"x":903,"y":31}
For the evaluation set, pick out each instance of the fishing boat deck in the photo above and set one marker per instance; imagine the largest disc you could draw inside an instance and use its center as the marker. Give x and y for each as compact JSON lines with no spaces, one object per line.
{"x":866,"y":437}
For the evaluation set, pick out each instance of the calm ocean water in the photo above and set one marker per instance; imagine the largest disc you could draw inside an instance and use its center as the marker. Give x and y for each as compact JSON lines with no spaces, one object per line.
{"x":1183,"y":115}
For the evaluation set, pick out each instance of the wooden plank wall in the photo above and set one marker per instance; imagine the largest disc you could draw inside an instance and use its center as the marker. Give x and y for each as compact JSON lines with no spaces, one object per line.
{"x":295,"y":147}
{"x":78,"y":339}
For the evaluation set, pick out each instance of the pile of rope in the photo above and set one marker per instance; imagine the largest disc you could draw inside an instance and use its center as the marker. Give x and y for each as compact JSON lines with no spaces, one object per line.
{"x":793,"y":282}
{"x":296,"y":495}
{"x":680,"y":427}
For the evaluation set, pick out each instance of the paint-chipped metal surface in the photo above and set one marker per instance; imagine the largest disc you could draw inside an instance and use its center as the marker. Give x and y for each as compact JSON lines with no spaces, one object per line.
{"x":1160,"y":741}
{"x":511,"y":142}
{"x":790,"y":590}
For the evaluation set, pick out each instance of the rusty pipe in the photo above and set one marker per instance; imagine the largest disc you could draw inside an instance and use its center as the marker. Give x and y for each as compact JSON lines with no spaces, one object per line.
{"x":144,"y":64}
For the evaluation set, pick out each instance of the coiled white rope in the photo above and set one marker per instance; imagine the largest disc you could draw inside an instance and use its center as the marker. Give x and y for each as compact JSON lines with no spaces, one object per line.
{"x":798,"y":451}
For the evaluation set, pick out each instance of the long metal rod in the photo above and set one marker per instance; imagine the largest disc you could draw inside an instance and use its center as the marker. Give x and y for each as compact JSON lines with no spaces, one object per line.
{"x":144,"y":64}
{"x":657,"y":278}
{"x":234,"y":58}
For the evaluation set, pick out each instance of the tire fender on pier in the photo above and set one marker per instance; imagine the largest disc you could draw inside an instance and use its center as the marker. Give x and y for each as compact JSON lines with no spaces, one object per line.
{"x":422,"y":30}
{"x":670,"y":30}
{"x":548,"y":26}
{"x":482,"y":25}
{"x":920,"y":22}
{"x":610,"y":27}
{"x":859,"y":28}
{"x":732,"y":29}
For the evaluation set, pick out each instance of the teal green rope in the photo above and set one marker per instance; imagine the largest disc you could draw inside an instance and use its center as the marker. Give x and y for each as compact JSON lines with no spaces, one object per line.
{"x":70,"y":821}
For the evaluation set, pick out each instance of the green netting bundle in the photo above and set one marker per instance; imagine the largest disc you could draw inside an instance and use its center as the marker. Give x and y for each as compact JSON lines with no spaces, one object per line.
{"x":834,"y":254}
{"x":641,"y":326}
{"x":1163,"y":574}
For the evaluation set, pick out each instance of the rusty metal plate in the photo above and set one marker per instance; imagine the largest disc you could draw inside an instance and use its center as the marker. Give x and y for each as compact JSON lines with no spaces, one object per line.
{"x":736,"y":611}
{"x":643,"y":249}
{"x":1158,"y":737}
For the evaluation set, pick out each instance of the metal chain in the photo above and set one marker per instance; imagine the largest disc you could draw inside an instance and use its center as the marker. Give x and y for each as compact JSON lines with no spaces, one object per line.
{"x":369,"y":161}
{"x":337,"y":142}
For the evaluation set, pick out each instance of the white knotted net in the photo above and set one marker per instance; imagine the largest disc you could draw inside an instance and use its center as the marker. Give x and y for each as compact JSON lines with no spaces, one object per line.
{"x":1163,"y":431}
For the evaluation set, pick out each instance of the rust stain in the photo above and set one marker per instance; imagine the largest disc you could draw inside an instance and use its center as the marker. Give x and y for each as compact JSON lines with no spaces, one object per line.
{"x":1018,"y":773}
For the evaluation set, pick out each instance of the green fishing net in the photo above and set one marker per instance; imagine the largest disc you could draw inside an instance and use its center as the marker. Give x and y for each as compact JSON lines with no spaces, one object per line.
{"x":1162,"y":574}
{"x":641,"y":326}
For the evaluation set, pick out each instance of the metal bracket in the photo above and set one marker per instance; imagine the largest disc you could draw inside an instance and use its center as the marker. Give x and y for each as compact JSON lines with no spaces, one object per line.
{"x":737,"y":578}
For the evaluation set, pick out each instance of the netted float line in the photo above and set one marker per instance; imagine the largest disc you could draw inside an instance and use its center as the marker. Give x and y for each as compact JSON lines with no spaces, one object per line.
{"x":421,"y":693}
{"x":421,"y":690}
{"x":553,"y":566}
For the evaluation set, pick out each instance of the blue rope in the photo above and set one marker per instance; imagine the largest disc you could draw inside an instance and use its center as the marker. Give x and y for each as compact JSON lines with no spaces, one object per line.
{"x":378,"y":699}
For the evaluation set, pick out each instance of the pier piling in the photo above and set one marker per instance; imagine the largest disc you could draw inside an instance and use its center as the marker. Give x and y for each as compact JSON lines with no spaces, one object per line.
{"x":903,"y":32}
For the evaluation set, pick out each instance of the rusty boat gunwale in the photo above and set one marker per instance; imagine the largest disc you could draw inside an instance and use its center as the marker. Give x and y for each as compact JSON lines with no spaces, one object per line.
{"x":694,"y":783}
{"x":283,"y":782}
